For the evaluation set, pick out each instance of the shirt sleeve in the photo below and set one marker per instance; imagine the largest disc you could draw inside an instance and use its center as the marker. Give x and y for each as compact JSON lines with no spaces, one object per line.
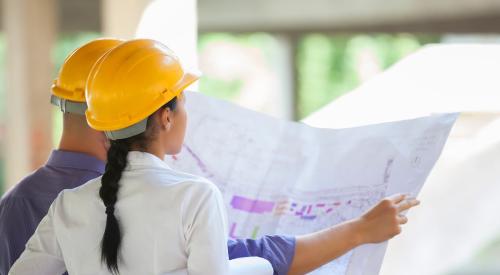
{"x":42,"y":254}
{"x":206,"y":234}
{"x":278,"y":250}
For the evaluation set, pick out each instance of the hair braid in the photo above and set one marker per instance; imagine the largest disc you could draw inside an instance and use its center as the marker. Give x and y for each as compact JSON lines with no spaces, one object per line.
{"x":111,"y":240}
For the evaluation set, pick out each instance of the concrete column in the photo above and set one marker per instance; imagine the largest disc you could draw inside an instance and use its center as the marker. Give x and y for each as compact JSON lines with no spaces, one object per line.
{"x":121,"y":17}
{"x":287,"y":60}
{"x":30,"y":31}
{"x":174,"y":23}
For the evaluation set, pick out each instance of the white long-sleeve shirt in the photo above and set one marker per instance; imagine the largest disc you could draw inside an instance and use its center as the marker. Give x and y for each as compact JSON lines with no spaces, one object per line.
{"x":169,"y":221}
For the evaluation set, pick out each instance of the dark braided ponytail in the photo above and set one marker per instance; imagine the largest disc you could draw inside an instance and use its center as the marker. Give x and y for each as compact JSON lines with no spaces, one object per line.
{"x":111,"y":240}
{"x":117,"y":161}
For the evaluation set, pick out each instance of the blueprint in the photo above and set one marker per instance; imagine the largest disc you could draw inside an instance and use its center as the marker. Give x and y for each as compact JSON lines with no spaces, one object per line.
{"x":282,"y":177}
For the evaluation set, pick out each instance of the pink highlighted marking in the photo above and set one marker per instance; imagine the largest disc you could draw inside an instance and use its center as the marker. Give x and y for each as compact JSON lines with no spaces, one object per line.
{"x":251,"y":206}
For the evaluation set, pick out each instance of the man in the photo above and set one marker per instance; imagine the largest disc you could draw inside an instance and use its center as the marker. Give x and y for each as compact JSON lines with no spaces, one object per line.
{"x":81,"y":156}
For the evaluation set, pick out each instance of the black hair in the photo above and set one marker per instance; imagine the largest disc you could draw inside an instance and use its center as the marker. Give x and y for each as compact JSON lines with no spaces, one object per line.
{"x":117,"y":161}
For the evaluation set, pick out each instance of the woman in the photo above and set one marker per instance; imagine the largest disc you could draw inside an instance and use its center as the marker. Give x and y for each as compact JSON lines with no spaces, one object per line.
{"x":140,"y":217}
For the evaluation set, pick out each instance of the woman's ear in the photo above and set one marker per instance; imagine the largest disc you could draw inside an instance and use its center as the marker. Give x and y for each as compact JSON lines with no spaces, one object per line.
{"x":165,"y":118}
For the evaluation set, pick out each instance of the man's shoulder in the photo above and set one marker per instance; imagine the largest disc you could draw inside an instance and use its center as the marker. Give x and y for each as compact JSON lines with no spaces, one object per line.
{"x":40,"y":187}
{"x":24,"y":188}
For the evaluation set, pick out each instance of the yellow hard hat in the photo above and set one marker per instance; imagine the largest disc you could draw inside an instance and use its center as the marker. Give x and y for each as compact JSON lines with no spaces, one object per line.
{"x":68,"y":89}
{"x":131,"y":82}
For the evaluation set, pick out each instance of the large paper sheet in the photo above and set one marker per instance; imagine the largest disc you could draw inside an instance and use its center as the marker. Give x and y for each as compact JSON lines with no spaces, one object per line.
{"x":281,"y":177}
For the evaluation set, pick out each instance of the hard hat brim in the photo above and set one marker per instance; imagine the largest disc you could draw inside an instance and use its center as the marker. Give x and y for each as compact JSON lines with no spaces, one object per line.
{"x":76,"y":95}
{"x":188,"y":79}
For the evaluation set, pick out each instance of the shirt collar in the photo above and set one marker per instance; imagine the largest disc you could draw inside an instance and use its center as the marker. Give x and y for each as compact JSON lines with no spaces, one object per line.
{"x":137,"y":158}
{"x":76,"y":160}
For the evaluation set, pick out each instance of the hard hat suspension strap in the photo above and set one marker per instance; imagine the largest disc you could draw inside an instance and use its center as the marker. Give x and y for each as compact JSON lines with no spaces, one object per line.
{"x":130,"y":131}
{"x":68,"y":106}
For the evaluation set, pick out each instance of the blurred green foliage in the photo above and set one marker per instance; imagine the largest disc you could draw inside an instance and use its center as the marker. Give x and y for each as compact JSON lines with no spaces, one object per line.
{"x":326,"y":63}
{"x":228,"y":89}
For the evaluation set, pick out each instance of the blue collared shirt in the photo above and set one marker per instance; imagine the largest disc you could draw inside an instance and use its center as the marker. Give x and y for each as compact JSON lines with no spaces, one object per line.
{"x":23,"y":207}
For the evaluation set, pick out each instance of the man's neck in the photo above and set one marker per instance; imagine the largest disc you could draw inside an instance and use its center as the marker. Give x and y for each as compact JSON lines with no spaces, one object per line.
{"x":90,"y":145}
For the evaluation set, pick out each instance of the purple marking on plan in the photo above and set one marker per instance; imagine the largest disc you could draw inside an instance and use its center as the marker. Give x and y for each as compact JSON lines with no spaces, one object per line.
{"x":252,"y":206}
{"x":231,"y":232}
{"x":309,"y":209}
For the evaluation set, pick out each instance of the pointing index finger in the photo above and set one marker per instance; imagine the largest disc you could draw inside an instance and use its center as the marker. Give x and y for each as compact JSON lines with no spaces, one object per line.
{"x":407,"y":204}
{"x":397,"y":198}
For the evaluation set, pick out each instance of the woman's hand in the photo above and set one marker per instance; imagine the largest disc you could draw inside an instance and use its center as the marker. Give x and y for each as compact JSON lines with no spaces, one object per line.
{"x":384,"y":220}
{"x":378,"y":224}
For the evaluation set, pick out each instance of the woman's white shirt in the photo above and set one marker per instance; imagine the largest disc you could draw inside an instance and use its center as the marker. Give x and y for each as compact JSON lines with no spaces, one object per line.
{"x":169,"y":221}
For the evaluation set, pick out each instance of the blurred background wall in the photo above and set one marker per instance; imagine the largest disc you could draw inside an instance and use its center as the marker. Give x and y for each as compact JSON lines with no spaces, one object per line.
{"x":289,"y":59}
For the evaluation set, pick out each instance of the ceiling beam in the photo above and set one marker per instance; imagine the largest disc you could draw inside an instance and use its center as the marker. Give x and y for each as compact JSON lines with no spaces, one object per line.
{"x":331,"y":16}
{"x":349,"y":15}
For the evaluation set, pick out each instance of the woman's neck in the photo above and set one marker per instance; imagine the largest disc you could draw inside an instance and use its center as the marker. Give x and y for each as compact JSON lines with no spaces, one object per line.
{"x":153,"y":149}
